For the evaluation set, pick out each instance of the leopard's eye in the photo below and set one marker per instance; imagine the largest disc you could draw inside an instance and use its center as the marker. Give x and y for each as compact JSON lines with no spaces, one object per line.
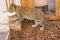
{"x":10,"y":12}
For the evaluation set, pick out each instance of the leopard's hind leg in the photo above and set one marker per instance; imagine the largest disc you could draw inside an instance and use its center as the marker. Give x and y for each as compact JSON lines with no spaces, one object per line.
{"x":40,"y":22}
{"x":42,"y":28}
{"x":35,"y":24}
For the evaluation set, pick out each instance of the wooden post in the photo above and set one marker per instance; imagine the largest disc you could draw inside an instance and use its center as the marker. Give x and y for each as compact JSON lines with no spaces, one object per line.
{"x":8,"y":3}
{"x":58,"y":8}
{"x":27,"y":3}
{"x":23,"y":3}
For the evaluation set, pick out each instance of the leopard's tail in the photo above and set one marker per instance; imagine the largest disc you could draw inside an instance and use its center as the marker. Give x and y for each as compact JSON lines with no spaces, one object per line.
{"x":51,"y":24}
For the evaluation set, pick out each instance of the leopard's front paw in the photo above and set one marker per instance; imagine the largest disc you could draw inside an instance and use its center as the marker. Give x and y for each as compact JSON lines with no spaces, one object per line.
{"x":41,"y":28}
{"x":34,"y":25}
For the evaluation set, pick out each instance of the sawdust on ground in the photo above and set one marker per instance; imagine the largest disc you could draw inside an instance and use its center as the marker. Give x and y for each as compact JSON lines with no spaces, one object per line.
{"x":29,"y":33}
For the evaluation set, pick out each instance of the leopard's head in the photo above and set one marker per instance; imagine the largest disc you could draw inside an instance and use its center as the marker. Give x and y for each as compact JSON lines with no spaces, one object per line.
{"x":12,"y":8}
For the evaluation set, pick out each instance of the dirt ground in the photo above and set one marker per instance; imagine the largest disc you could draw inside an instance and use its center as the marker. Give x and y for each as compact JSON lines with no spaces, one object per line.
{"x":29,"y":33}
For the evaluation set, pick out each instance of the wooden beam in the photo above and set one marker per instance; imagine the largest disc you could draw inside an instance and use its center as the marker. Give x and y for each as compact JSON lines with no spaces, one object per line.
{"x":52,"y":18}
{"x":29,"y":3}
{"x":57,"y":7}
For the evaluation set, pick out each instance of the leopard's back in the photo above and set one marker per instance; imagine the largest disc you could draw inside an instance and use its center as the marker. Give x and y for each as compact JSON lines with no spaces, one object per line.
{"x":31,"y":13}
{"x":28,"y":13}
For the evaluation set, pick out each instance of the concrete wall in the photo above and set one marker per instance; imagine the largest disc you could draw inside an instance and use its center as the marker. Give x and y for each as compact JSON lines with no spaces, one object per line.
{"x":3,"y":5}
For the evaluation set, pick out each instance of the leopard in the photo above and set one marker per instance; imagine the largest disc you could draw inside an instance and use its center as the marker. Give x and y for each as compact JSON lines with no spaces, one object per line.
{"x":31,"y":14}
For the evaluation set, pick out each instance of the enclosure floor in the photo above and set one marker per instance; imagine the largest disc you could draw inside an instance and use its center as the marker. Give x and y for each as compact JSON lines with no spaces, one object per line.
{"x":29,"y":33}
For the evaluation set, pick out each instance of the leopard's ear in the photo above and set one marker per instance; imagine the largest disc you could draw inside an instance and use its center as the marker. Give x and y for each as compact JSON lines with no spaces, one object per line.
{"x":15,"y":6}
{"x":12,"y":5}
